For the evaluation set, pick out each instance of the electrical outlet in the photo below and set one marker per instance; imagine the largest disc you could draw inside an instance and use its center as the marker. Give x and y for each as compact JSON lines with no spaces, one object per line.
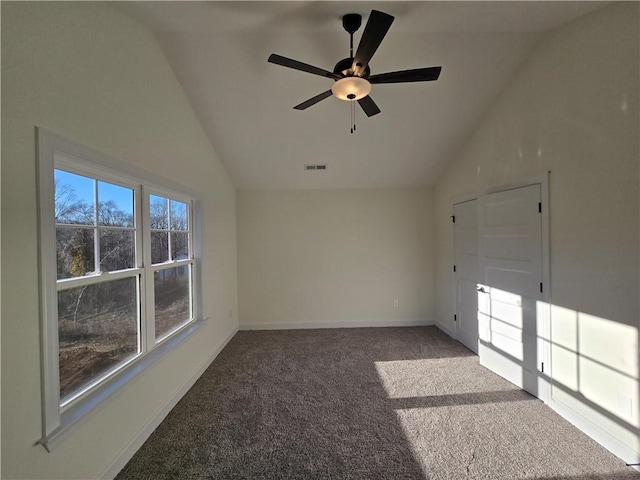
{"x":625,"y":405}
{"x":396,"y":304}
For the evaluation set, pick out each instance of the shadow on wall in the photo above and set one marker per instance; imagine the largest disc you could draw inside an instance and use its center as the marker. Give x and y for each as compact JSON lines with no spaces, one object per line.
{"x":594,"y":359}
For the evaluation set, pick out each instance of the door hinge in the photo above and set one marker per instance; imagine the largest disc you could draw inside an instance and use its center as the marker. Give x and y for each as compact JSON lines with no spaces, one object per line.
{"x":455,"y":317}
{"x":454,"y":268}
{"x":539,"y":207}
{"x":453,"y":218}
{"x":540,"y":287}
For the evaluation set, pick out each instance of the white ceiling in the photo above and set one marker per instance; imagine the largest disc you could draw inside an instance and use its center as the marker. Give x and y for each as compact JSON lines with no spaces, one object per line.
{"x":219,"y":53}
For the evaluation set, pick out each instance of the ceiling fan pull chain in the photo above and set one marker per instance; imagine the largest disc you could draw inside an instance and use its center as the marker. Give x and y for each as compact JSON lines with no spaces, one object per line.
{"x":353,"y":109}
{"x":353,"y":117}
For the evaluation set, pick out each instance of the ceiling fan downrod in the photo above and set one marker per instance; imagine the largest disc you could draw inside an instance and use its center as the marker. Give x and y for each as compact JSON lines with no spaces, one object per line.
{"x":351,"y":23}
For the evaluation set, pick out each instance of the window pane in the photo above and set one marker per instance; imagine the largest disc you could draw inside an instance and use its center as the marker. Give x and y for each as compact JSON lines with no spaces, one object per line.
{"x":158,"y":212}
{"x":179,"y":245}
{"x":179,"y":218}
{"x":115,"y":207}
{"x":117,"y":249}
{"x":159,"y":247}
{"x":74,"y":198}
{"x":97,"y":330}
{"x":75,"y":251}
{"x":172,"y":298}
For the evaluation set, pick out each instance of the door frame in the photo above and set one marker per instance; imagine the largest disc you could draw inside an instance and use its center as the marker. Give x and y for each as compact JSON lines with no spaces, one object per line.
{"x":544,"y":308}
{"x":454,"y":282}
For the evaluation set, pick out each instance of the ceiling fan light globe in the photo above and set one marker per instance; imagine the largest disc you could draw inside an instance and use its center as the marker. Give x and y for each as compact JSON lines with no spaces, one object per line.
{"x":351,"y":88}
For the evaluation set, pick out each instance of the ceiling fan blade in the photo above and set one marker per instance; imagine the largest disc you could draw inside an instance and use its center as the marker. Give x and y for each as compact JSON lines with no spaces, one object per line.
{"x":296,"y":65}
{"x":377,"y":27}
{"x":314,"y":100}
{"x":369,"y":106}
{"x":416,"y":75}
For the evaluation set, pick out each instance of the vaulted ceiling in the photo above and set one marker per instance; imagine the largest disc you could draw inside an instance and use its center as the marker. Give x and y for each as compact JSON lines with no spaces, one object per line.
{"x":219,"y":51}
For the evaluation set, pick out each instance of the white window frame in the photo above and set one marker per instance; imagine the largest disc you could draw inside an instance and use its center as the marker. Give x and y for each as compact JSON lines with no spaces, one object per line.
{"x":55,"y":151}
{"x":152,"y":268}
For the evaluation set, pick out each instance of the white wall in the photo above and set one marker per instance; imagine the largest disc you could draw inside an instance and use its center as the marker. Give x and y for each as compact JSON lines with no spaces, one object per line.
{"x":572,"y":108}
{"x":89,"y":73}
{"x":335,"y":258}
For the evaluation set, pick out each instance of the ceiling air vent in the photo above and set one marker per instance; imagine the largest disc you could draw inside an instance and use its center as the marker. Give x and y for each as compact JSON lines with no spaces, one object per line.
{"x":315,"y":167}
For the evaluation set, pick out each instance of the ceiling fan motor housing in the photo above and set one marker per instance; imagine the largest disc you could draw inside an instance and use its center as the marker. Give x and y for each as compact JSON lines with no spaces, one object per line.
{"x":343,"y":67}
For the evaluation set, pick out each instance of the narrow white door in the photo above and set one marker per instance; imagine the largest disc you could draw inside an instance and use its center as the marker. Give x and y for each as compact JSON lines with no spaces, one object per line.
{"x":465,"y":254}
{"x":510,"y":286}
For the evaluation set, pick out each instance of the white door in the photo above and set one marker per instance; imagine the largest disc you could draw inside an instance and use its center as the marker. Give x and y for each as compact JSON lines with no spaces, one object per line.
{"x":465,"y":254}
{"x":510,"y":285}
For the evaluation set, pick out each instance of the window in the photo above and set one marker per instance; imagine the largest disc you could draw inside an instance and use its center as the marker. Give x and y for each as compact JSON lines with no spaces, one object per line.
{"x":98,"y":315}
{"x":170,"y":257}
{"x":118,"y":269}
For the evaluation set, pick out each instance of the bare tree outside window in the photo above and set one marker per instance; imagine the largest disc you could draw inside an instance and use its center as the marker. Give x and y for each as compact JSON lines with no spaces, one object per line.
{"x":170,"y":243}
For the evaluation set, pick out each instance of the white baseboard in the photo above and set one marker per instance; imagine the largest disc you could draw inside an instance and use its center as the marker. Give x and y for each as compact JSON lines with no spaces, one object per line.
{"x":446,"y":329}
{"x":132,"y":447}
{"x":604,"y":438}
{"x":411,"y":322}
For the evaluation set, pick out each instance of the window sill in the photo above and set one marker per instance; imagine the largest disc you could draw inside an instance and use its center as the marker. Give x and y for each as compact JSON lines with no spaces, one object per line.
{"x":73,"y":414}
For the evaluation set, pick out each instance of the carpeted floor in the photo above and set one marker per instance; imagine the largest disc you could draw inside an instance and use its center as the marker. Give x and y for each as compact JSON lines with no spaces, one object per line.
{"x":369,"y":403}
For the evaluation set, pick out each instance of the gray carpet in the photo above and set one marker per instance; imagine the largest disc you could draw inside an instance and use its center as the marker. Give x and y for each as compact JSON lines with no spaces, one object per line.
{"x":369,"y":403}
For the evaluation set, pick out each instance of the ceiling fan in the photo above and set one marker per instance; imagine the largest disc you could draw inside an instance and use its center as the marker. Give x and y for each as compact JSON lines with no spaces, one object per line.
{"x":352,"y":76}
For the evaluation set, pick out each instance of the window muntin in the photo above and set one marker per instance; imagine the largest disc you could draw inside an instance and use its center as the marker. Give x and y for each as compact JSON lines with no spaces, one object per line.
{"x":169,"y":222}
{"x":94,"y":225}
